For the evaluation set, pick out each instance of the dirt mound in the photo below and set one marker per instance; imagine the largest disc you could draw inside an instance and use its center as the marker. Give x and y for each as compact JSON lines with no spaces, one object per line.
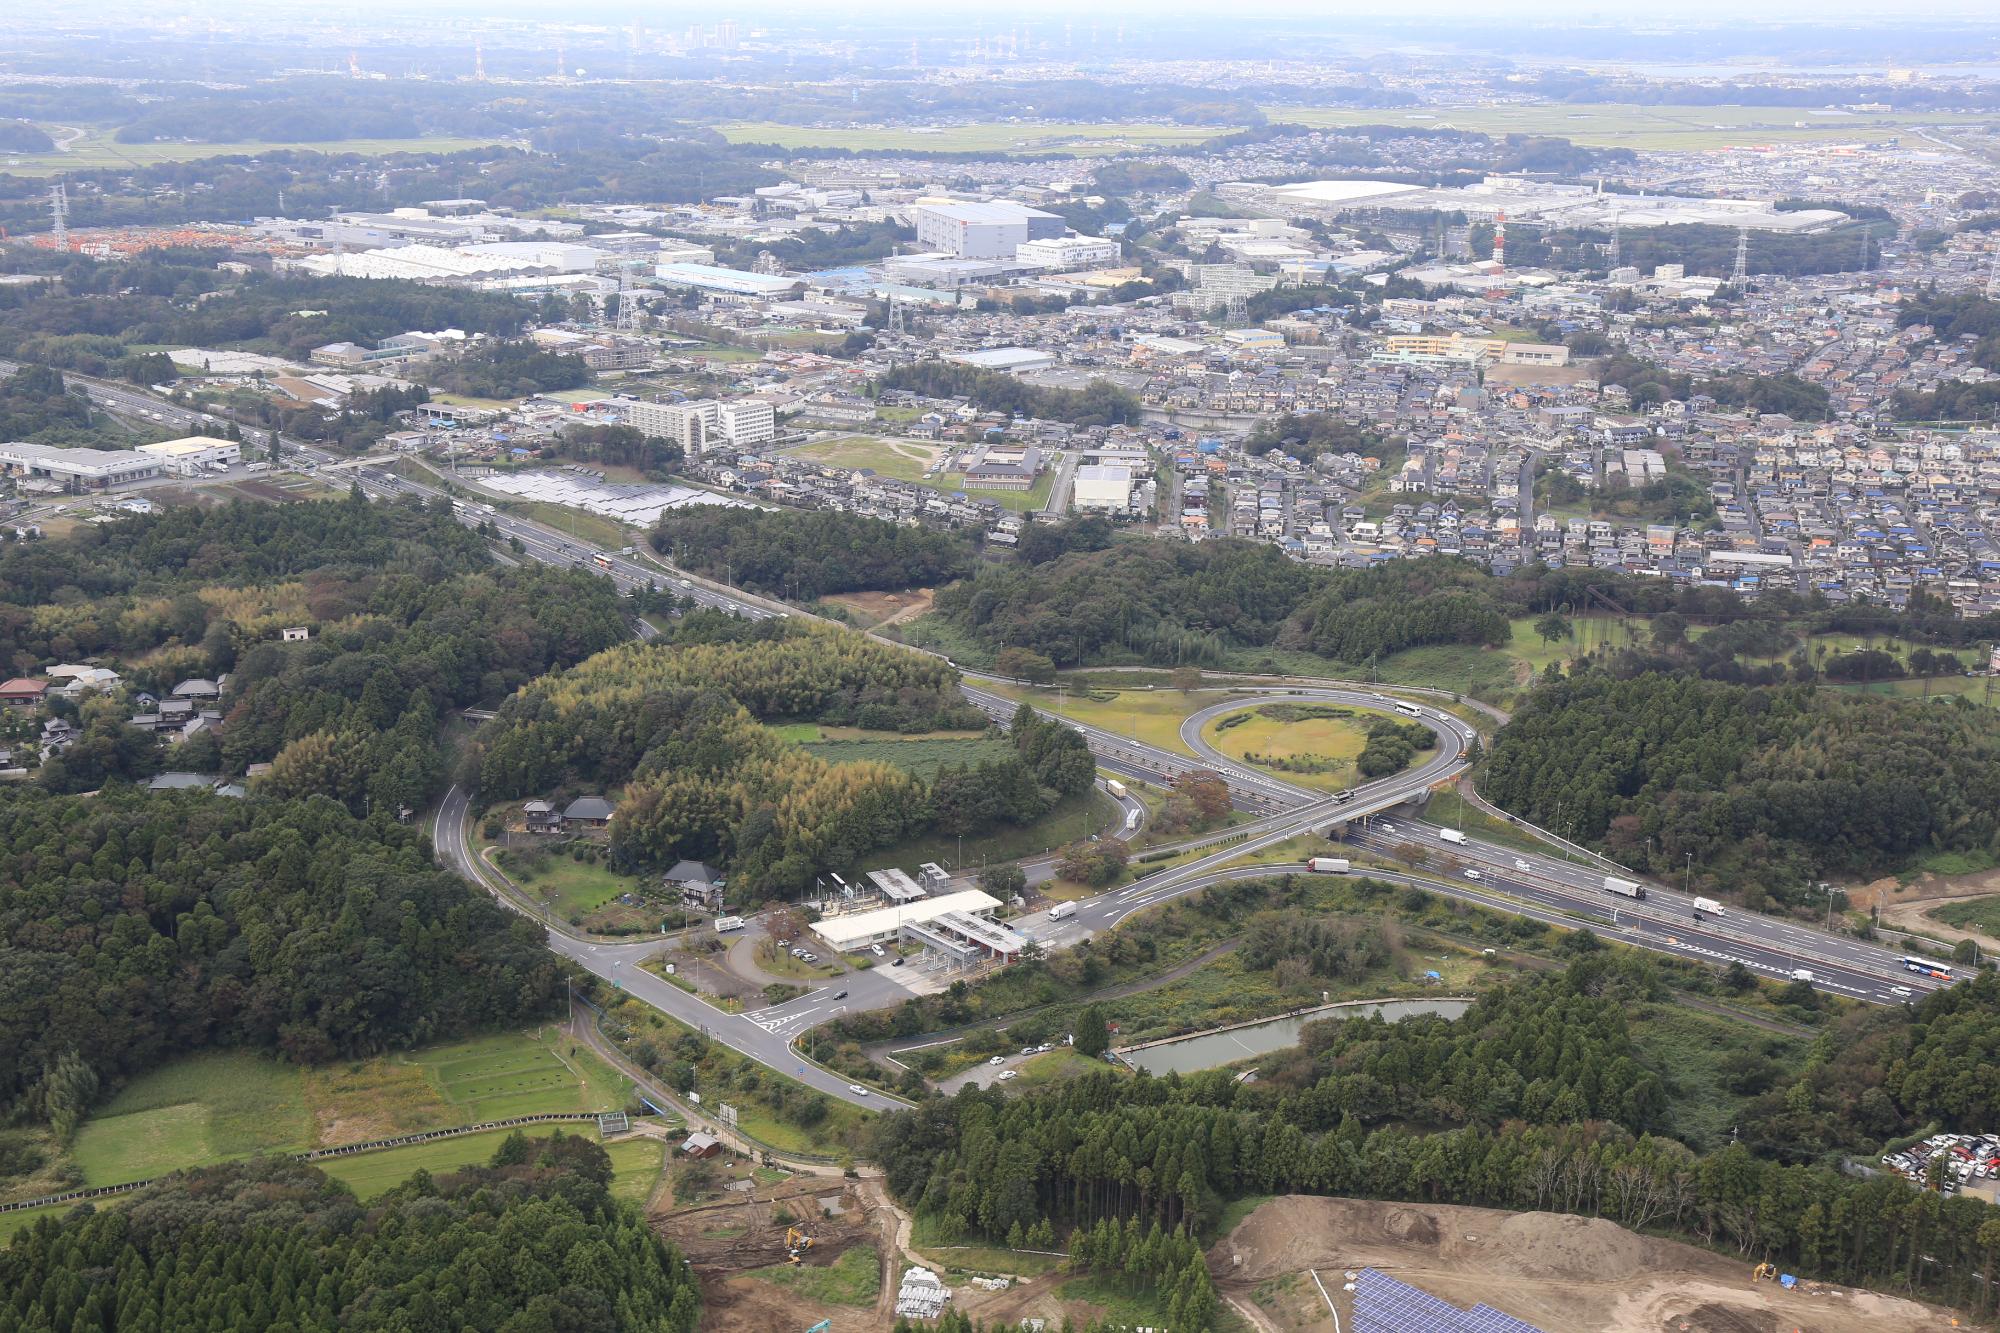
{"x":1288,"y":1234}
{"x":1560,"y":1273}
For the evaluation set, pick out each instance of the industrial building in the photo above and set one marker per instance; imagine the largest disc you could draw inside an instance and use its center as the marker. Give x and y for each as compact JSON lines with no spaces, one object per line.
{"x":79,"y":469}
{"x":194,"y":455}
{"x":1067,"y":252}
{"x":1104,"y":488}
{"x":983,"y":230}
{"x":464,"y":264}
{"x":728,"y":283}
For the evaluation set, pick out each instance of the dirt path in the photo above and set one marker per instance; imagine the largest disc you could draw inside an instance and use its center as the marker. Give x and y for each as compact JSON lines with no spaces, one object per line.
{"x":1914,"y":914}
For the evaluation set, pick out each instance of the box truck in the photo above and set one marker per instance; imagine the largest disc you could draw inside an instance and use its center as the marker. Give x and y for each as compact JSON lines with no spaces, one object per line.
{"x":1329,"y":865}
{"x":1452,"y":835}
{"x":1624,"y":888}
{"x":1710,"y":906}
{"x":1115,"y":787}
{"x":1062,"y":911}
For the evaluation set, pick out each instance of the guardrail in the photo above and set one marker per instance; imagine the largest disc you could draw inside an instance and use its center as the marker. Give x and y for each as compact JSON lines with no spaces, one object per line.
{"x":317,"y":1155}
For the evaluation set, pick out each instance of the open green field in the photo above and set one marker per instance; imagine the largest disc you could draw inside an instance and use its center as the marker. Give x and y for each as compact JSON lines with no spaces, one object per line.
{"x":593,"y":529}
{"x":219,"y":1105}
{"x":98,"y":151}
{"x":901,"y":460}
{"x":1694,"y":1049}
{"x":920,"y":757}
{"x":1980,"y":914}
{"x":1621,"y":125}
{"x":1151,"y":716}
{"x":202,"y":1109}
{"x":1261,"y":735}
{"x":1072,"y":818}
{"x":855,"y":1278}
{"x":1025,"y":138}
{"x":1020,"y":502}
{"x":573,"y":889}
{"x":1527,"y":646}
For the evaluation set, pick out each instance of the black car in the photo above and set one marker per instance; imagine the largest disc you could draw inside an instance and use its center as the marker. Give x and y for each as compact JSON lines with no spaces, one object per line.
{"x":840,"y":995}
{"x":897,"y":963}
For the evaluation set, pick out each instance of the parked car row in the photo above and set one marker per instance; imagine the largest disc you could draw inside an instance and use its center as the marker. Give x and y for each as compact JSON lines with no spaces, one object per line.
{"x":1967,"y":1159}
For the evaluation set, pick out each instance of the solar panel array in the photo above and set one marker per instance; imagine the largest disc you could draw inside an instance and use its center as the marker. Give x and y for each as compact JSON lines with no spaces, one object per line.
{"x":1384,"y":1305}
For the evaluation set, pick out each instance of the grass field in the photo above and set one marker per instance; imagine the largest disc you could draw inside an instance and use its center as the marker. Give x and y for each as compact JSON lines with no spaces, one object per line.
{"x":593,"y":529}
{"x":920,"y":757}
{"x":1980,"y":914}
{"x":855,"y":1278}
{"x":901,"y":460}
{"x":1073,"y":817}
{"x":97,"y":150}
{"x":1024,"y":138}
{"x":1331,"y":741}
{"x":1151,"y":716}
{"x":205,"y":1108}
{"x":220,"y":1105}
{"x":1619,"y":125}
{"x":575,"y":889}
{"x":1527,"y":646}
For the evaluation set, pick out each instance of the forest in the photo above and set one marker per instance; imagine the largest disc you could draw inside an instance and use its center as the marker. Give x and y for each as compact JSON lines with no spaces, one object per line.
{"x":89,"y":319}
{"x":1100,"y":403}
{"x":810,"y":555}
{"x":139,"y":926}
{"x":1762,"y":790}
{"x":36,"y":407}
{"x":532,"y":1240}
{"x":677,"y":725}
{"x":1531,"y":1101}
{"x":1171,"y":603}
{"x":506,"y":368}
{"x":618,"y":446}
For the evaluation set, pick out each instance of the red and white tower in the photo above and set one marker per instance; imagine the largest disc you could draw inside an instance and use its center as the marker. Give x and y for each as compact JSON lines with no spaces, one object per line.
{"x":1499,"y":241}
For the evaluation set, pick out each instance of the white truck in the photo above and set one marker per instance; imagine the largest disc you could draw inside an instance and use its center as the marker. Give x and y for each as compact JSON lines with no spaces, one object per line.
{"x":1709,"y":905}
{"x":1802,"y":974}
{"x":1115,"y":787}
{"x":1062,"y":911}
{"x":1329,"y":865}
{"x":1624,"y":888}
{"x":728,"y":923}
{"x":1452,"y":835}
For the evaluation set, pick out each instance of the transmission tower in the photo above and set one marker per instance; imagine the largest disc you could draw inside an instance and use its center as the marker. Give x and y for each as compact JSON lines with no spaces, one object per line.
{"x":1616,"y":223}
{"x":1993,"y":278}
{"x":59,"y":214}
{"x":1238,"y":311}
{"x":897,"y":325}
{"x":1742,"y":269}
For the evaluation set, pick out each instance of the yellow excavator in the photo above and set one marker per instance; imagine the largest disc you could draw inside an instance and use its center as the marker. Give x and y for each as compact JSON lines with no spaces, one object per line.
{"x":797,"y":1243}
{"x":1764,"y":1273}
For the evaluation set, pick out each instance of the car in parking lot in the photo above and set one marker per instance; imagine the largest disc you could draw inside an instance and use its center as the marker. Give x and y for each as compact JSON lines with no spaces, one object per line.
{"x":875,"y":949}
{"x":997,"y":1060}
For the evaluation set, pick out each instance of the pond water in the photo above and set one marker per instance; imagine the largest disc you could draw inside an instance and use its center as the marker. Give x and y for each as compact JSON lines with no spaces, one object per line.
{"x":1207,"y":1051}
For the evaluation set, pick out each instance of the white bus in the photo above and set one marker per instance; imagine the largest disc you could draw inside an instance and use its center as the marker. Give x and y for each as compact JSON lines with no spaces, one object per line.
{"x":1407,"y":709}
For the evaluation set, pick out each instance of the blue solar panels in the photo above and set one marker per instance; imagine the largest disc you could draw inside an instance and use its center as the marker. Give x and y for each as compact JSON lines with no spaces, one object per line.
{"x":1384,"y":1305}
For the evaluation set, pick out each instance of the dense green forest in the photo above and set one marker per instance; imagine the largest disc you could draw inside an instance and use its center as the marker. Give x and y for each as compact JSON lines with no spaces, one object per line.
{"x":137,"y":927}
{"x":532,"y":1241}
{"x":1767,"y":788}
{"x":1100,"y":403}
{"x":1532,"y":1101}
{"x":1169,"y":603}
{"x":804,"y":556}
{"x":410,"y":616}
{"x":500,"y":368}
{"x":618,"y":446}
{"x":676,"y":724}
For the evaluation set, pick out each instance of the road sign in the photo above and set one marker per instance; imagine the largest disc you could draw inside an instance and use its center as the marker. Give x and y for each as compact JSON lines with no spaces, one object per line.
{"x":726,"y":1114}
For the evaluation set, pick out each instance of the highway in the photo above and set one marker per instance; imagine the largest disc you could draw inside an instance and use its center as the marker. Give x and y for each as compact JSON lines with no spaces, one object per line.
{"x":1529,"y":883}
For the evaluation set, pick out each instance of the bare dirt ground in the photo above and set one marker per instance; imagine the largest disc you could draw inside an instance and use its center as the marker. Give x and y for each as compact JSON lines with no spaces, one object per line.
{"x":876,"y":609}
{"x":1909,"y":906}
{"x":726,"y":1237}
{"x":1562,"y":1274}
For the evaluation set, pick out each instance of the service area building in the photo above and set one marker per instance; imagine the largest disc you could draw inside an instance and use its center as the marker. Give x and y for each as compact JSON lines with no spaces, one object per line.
{"x":959,"y":925}
{"x":194,"y":455}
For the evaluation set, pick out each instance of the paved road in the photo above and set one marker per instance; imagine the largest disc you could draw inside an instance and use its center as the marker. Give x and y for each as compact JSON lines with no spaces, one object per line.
{"x":1536,"y":885}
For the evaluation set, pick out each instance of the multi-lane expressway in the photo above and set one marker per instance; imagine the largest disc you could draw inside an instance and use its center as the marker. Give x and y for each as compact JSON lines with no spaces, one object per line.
{"x":1528,"y":883}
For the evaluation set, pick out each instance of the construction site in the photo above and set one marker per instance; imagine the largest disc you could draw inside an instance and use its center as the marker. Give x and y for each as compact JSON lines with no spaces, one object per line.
{"x":1298,"y":1261}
